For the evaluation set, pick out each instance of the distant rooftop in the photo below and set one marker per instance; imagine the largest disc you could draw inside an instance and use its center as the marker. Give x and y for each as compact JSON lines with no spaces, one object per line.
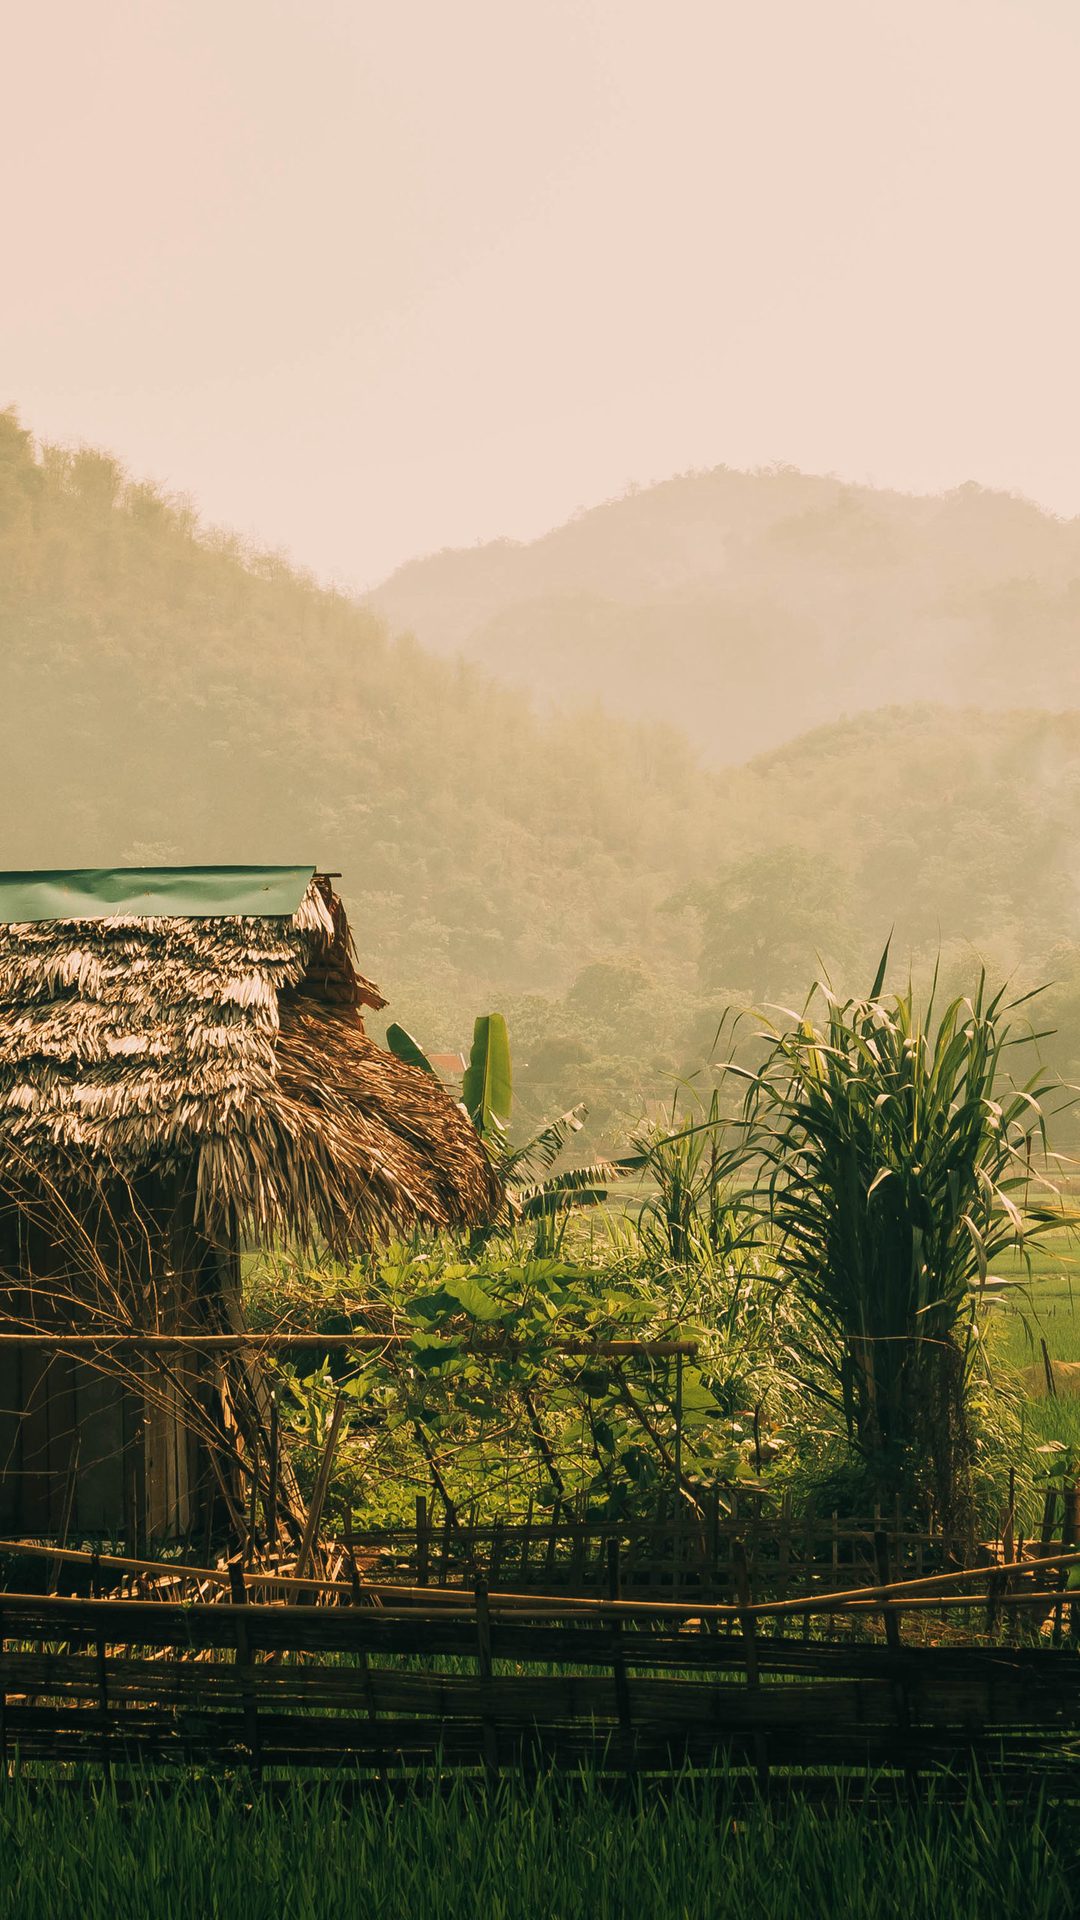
{"x":451,"y":1064}
{"x":99,"y":893}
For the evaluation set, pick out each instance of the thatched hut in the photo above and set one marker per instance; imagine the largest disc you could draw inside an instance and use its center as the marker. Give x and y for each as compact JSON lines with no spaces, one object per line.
{"x":183,"y":1067}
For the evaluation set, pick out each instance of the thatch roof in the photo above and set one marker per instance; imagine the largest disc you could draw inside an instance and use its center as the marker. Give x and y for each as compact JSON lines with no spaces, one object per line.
{"x":228,"y":1050}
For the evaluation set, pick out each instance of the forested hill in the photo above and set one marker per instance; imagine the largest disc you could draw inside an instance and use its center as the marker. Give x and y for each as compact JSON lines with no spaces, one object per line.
{"x":169,"y":697}
{"x":745,"y":607}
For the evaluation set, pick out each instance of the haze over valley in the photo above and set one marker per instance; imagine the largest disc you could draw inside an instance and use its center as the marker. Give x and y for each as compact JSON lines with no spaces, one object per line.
{"x":179,"y":697}
{"x":746,"y":607}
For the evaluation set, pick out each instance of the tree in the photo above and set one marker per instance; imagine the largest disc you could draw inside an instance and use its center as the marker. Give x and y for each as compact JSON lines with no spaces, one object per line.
{"x":606,"y":988}
{"x":763,"y":920}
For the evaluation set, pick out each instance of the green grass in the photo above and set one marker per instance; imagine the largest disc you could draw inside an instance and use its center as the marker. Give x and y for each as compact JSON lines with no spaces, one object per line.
{"x":1046,"y":1308}
{"x":1047,"y":1305}
{"x":566,"y":1852}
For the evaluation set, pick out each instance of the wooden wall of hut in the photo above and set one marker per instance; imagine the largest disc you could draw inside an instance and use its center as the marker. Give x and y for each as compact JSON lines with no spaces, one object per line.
{"x":105,"y":1446}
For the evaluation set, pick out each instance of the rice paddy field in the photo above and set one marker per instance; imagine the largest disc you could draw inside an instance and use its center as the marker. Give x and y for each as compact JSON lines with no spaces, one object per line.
{"x":558,"y":1852}
{"x":1045,"y":1308}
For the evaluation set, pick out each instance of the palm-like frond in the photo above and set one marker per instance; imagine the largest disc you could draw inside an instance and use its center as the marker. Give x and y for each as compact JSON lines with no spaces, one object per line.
{"x":576,"y":1187}
{"x":542,"y":1151}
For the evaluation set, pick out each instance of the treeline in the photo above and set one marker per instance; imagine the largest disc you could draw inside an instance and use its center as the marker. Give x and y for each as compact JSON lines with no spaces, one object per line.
{"x":172,"y":696}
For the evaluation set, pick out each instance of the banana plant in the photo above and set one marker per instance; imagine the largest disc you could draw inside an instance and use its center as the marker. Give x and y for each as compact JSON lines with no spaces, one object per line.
{"x":533,"y":1192}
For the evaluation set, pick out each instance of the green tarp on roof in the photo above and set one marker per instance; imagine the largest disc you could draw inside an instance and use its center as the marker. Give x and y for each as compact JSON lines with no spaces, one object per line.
{"x":95,"y":893}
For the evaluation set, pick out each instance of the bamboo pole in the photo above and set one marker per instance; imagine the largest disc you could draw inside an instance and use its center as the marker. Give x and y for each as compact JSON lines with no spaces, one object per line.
{"x":489,"y":1732}
{"x":314,"y":1514}
{"x":920,"y":1594}
{"x":325,"y":1342}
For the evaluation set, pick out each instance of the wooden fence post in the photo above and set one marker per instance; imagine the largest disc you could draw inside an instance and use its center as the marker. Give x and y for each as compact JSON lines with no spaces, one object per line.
{"x":711,"y":1575}
{"x":749,"y":1633}
{"x":1046,"y":1532}
{"x":243,"y":1664}
{"x":678,"y":1431}
{"x":892,"y":1638}
{"x":884,"y":1574}
{"x":526,"y":1540}
{"x":784,"y":1547}
{"x":422,"y":1535}
{"x":444,"y":1558}
{"x":354,"y":1572}
{"x":618,"y":1662}
{"x":1070,"y":1525}
{"x":483,"y":1646}
{"x":809,"y":1516}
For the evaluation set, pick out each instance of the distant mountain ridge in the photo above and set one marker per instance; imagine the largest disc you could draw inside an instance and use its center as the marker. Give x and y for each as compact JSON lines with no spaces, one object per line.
{"x":748,"y":607}
{"x":170,"y":696}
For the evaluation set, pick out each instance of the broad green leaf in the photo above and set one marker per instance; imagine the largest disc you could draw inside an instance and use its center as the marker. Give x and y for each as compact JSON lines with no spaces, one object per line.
{"x":474,"y":1300}
{"x":696,"y":1398}
{"x":430,"y":1354}
{"x":487,"y":1088}
{"x":404,"y":1047}
{"x":441,"y":1305}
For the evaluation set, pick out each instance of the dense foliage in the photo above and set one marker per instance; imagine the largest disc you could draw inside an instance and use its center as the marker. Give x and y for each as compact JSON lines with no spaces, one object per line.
{"x":484,"y":1407}
{"x":831,"y":1246}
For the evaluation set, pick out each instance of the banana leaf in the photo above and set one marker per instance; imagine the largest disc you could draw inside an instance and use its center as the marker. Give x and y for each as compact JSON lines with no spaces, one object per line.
{"x":544,"y":1148}
{"x":404,"y":1047}
{"x":488,"y":1087}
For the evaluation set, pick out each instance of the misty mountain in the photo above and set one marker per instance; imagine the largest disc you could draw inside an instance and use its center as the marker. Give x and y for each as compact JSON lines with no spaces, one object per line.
{"x":747,"y":607}
{"x":169,"y":696}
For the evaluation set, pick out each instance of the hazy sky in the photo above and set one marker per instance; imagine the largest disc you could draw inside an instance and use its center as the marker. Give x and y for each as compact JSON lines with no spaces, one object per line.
{"x":370,"y":279}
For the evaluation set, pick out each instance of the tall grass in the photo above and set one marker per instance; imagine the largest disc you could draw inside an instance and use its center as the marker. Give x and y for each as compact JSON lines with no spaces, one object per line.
{"x":559,"y":1852}
{"x":695,"y":1216}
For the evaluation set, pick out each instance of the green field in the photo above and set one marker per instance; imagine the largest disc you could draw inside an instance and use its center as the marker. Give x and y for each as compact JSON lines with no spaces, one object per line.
{"x":1046,"y":1307}
{"x":566,"y":1852}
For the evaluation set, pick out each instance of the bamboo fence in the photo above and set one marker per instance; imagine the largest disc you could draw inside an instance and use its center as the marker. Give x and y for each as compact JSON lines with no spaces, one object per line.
{"x":708,"y":1633}
{"x":489,"y":1682}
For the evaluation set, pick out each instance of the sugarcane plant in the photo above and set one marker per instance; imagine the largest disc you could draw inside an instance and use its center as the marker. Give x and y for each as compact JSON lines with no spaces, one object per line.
{"x":892,"y":1168}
